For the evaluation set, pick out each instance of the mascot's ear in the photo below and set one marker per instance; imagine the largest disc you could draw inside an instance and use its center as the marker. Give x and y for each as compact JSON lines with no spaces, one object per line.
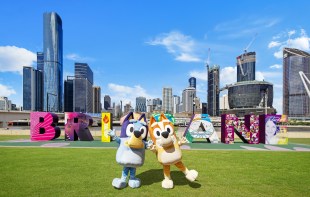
{"x":152,"y":120}
{"x":142,"y":117}
{"x":129,"y":116}
{"x":162,"y":117}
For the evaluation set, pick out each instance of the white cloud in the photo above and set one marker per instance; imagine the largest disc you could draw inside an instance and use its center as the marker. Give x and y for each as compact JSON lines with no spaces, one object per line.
{"x":244,"y":26}
{"x":259,"y":76}
{"x":277,"y":66}
{"x":277,"y":104}
{"x":12,"y":59}
{"x":278,"y":54}
{"x":181,"y":46}
{"x":274,"y":44}
{"x":228,"y":75}
{"x":6,"y":91}
{"x":187,"y":58}
{"x":127,"y":94}
{"x":301,"y":42}
{"x":201,"y":75}
{"x":290,"y":33}
{"x":269,"y":76}
{"x":76,"y":57}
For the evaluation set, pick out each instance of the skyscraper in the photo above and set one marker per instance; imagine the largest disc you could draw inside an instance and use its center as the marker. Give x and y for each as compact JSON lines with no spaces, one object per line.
{"x":40,"y":61}
{"x":296,"y":101}
{"x":192,"y":82}
{"x":246,"y":67}
{"x":167,"y":100}
{"x":83,"y":88}
{"x":176,"y":104}
{"x":29,"y":88}
{"x":213,"y":90}
{"x":188,"y":97}
{"x":140,"y":104}
{"x":107,"y":102}
{"x":96,"y":99}
{"x":53,"y":66}
{"x":39,"y":81}
{"x":68,"y":94}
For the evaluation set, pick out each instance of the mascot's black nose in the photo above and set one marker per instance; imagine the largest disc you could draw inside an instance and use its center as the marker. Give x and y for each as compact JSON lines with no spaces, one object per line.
{"x":165,"y":134}
{"x":137,"y":134}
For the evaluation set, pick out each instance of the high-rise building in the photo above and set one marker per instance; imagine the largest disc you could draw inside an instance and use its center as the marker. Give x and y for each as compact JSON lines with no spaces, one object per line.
{"x":68,"y":94}
{"x":176,"y":104}
{"x":213,"y":90}
{"x":224,"y":102}
{"x":40,"y":61}
{"x":39,"y":81}
{"x":204,"y":108}
{"x":167,"y":100}
{"x":29,"y":88}
{"x":83,"y":88}
{"x":192,"y":82}
{"x":127,"y":108}
{"x":82,"y":70}
{"x":246,"y":67}
{"x":140,"y":104}
{"x":53,"y":62}
{"x":5,"y":103}
{"x":96,"y":99}
{"x":188,"y":97}
{"x":32,"y":89}
{"x":296,"y":65}
{"x":107,"y":102}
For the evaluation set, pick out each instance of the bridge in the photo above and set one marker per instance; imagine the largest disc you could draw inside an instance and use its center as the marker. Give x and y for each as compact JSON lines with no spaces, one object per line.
{"x":9,"y":116}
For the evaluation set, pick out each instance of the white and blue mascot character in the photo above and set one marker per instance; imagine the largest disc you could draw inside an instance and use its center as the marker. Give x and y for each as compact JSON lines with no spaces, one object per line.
{"x":131,"y":150}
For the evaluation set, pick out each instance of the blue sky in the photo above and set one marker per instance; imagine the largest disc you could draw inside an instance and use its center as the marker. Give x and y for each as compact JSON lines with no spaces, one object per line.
{"x":135,"y":48}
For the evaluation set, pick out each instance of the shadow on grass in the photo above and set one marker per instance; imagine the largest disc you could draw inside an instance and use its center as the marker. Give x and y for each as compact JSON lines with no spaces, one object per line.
{"x":150,"y":177}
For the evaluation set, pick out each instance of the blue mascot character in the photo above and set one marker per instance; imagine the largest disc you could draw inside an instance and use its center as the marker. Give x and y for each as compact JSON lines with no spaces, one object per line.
{"x":131,"y":150}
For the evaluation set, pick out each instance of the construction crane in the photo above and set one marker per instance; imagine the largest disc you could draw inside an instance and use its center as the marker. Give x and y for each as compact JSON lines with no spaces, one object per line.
{"x":245,"y":51}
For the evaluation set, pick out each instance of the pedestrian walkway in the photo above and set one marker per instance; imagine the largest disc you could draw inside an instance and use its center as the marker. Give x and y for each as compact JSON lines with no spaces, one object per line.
{"x":60,"y":143}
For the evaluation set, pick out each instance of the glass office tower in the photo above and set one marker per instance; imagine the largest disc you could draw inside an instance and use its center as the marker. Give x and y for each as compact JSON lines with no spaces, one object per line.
{"x":296,"y":102}
{"x":213,"y":90}
{"x":53,"y":62}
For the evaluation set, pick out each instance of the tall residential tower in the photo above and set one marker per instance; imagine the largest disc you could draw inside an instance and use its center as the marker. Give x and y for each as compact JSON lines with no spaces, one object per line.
{"x":53,"y":64}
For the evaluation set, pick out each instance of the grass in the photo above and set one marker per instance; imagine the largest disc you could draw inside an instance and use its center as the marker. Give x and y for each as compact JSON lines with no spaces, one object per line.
{"x":299,"y":141}
{"x":89,"y":172}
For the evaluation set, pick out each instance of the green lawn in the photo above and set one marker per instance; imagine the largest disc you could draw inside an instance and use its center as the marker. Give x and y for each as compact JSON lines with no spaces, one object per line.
{"x":89,"y":172}
{"x":299,"y":140}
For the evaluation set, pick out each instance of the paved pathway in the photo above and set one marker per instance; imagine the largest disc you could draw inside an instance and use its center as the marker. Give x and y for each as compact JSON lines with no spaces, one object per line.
{"x":191,"y":146}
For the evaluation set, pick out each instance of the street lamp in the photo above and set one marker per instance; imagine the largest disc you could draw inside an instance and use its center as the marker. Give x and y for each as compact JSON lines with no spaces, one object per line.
{"x":47,"y":106}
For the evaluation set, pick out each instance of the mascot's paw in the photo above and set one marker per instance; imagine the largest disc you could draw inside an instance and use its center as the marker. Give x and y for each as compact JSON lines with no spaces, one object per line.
{"x":167,"y":184}
{"x":192,"y":175}
{"x":118,"y":183}
{"x":134,"y":183}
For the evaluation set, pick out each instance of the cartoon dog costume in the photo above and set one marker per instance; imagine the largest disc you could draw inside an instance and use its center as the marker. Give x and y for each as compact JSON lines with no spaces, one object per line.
{"x":167,"y":149}
{"x":131,"y":150}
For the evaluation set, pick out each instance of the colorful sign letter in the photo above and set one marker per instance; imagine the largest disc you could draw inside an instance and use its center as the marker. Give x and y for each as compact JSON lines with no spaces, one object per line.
{"x":273,"y":129}
{"x":43,"y":127}
{"x":200,"y":126}
{"x":76,"y":126}
{"x":106,"y":126}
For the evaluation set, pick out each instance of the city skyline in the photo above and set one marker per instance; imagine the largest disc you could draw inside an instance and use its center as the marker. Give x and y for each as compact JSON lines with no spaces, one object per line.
{"x":133,"y":56}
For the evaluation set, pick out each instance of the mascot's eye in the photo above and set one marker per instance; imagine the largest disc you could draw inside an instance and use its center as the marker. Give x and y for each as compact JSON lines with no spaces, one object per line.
{"x":157,"y":133}
{"x":129,"y":130}
{"x":169,"y":129}
{"x":143,"y":132}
